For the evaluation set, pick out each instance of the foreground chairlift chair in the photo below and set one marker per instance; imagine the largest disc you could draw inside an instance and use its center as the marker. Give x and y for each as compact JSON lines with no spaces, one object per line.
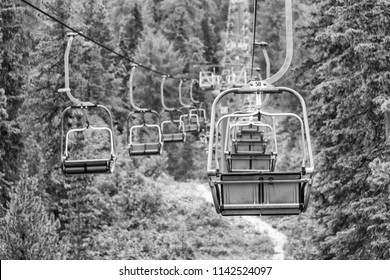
{"x":172,"y":127}
{"x":258,"y":192}
{"x":249,"y":189}
{"x":189,"y":118}
{"x":71,"y":166}
{"x":138,"y":146}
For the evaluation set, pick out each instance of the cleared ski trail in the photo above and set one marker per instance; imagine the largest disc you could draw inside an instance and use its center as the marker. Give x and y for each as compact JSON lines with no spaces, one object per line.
{"x":278,"y":238}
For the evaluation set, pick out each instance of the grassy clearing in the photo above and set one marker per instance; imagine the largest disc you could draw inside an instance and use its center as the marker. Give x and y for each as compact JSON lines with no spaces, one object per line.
{"x":205,"y":233}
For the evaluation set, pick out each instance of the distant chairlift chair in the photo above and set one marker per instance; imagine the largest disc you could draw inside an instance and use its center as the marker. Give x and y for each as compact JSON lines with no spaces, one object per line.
{"x":189,"y":117}
{"x":172,"y":127}
{"x":246,"y":151}
{"x":198,"y":110}
{"x":137,"y":145}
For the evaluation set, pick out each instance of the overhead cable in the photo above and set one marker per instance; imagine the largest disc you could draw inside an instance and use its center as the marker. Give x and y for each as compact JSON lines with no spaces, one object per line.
{"x":97,"y":43}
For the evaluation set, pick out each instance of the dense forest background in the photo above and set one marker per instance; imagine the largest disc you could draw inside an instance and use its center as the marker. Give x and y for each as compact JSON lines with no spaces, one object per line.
{"x":341,"y":67}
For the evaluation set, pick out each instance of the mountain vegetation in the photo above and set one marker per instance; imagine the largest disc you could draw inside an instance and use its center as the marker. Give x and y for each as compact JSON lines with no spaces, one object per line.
{"x":149,"y":208}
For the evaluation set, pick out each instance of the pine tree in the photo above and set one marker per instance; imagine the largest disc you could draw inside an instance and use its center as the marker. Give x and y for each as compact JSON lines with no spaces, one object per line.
{"x":45,"y":107}
{"x":209,"y":41}
{"x":15,"y":44}
{"x":157,"y":52}
{"x":348,"y":78}
{"x":131,"y":33}
{"x":180,"y":19}
{"x":27,"y":231}
{"x":97,"y":61}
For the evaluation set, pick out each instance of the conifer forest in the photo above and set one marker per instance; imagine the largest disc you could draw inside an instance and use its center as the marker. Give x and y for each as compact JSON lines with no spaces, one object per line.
{"x":194,"y":129}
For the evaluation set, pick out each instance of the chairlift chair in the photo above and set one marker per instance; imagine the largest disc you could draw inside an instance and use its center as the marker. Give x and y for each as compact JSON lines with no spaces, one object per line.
{"x":189,"y":117}
{"x":240,"y":187}
{"x":136,"y":145}
{"x":172,"y":127}
{"x":71,"y":166}
{"x":248,"y":154}
{"x":198,"y":107}
{"x":263,"y":192}
{"x":141,"y":148}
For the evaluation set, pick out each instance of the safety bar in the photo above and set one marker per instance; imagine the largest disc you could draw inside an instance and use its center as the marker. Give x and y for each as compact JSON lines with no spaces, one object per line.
{"x":255,"y":124}
{"x":189,"y":118}
{"x":270,"y":114}
{"x":302,"y":130}
{"x":306,"y":124}
{"x":143,"y":112}
{"x":199,"y":111}
{"x":237,"y":114}
{"x":130,"y":141}
{"x":210,"y":171}
{"x":111,"y":126}
{"x":178,"y":122}
{"x":213,"y":127}
{"x":83,"y":129}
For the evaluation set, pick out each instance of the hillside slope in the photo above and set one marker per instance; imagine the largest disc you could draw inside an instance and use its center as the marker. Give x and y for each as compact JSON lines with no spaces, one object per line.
{"x":212,"y":236}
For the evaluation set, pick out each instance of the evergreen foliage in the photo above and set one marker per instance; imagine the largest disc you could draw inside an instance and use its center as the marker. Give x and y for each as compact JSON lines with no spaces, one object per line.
{"x":27,"y":231}
{"x":14,"y":47}
{"x":348,"y":78}
{"x":131,"y":33}
{"x":140,"y":212}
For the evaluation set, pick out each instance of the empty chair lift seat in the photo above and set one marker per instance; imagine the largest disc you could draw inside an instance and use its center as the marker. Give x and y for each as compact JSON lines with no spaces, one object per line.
{"x":173,"y":137}
{"x":245,"y":162}
{"x":244,"y":146}
{"x":95,"y":166}
{"x":260,"y":194}
{"x":193,"y":124}
{"x":191,"y":127}
{"x":241,"y":191}
{"x":248,"y":140}
{"x":136,"y":149}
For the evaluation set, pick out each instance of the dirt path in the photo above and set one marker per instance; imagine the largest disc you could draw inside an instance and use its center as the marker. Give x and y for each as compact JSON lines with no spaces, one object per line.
{"x":278,"y":238}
